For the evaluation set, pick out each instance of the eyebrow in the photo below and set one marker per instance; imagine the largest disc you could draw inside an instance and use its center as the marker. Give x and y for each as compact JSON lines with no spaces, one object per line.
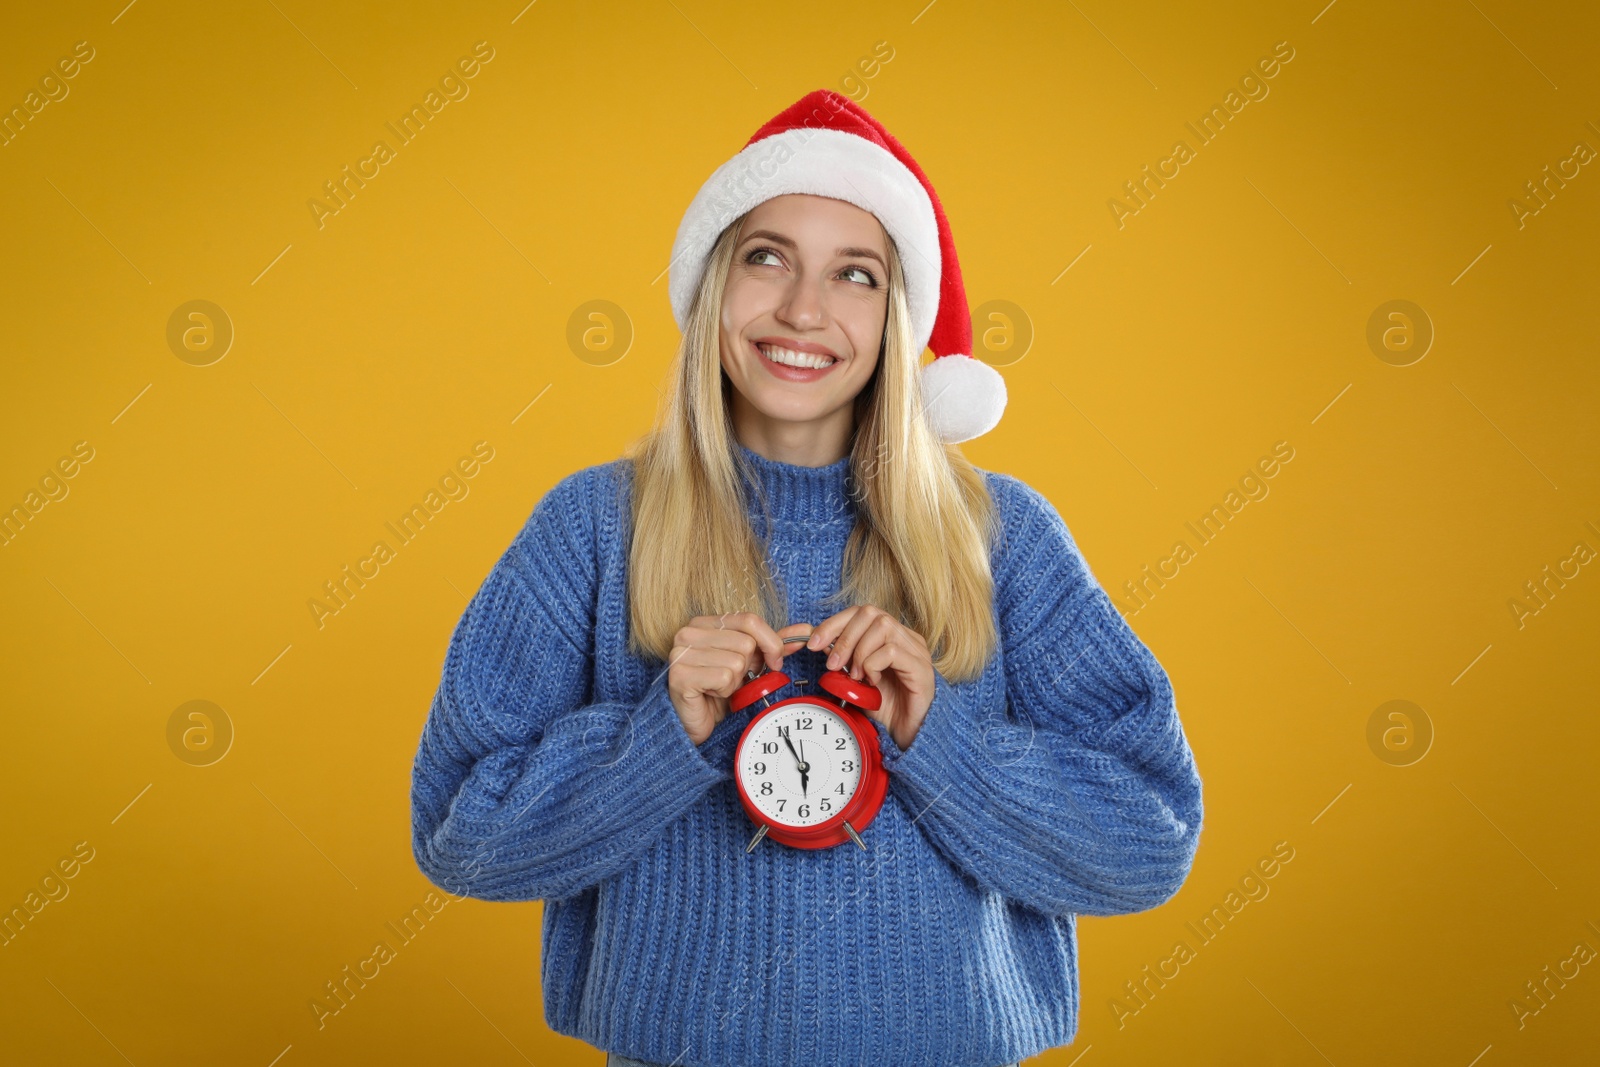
{"x":780,"y":239}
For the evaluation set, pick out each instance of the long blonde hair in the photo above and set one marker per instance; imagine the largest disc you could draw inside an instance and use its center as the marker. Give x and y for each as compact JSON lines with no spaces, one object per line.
{"x":924,"y":518}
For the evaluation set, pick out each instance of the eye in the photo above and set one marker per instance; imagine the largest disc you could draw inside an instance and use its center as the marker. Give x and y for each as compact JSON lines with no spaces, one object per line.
{"x":755,"y":254}
{"x":865,"y":278}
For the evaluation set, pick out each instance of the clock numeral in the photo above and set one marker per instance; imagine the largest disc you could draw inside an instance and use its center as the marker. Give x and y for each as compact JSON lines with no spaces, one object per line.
{"x":826,"y":804}
{"x":768,"y":747}
{"x":781,"y":804}
{"x":804,"y":811}
{"x":838,"y":742}
{"x":760,"y":768}
{"x":840,"y":789}
{"x":766,"y":789}
{"x":848,"y":765}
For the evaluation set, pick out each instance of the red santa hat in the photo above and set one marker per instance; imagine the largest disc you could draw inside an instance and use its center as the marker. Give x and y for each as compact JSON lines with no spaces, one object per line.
{"x":826,"y":145}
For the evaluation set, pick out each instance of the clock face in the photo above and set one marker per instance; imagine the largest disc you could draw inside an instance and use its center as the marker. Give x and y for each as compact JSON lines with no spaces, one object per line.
{"x":800,"y":765}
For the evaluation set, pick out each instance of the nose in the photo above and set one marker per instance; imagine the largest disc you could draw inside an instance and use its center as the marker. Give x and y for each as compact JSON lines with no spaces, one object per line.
{"x":802,"y":306}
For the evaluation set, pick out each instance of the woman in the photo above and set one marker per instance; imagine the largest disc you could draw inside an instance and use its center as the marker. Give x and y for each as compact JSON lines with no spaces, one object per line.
{"x":803,"y":484}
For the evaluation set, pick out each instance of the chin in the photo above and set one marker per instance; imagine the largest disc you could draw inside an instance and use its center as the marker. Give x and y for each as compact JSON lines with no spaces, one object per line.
{"x":788,"y":413}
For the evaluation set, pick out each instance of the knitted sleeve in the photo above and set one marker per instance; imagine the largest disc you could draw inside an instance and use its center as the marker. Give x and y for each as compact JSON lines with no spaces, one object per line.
{"x":522,"y":789}
{"x":1077,"y":793}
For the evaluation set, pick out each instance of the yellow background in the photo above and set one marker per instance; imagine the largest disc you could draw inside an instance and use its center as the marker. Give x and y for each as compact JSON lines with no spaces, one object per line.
{"x":371,"y":353}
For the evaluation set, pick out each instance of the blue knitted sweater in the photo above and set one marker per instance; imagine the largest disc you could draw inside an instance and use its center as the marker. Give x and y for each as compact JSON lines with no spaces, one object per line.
{"x":553,"y":767}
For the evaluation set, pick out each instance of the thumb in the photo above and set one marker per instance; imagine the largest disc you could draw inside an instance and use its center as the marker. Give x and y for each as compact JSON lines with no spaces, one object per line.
{"x":794,"y":629}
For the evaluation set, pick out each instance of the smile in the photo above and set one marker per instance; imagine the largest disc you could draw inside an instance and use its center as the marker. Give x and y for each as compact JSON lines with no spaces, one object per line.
{"x":790,"y":358}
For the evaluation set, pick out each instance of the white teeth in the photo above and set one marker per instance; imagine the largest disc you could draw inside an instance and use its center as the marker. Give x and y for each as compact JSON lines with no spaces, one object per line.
{"x":795,"y":359}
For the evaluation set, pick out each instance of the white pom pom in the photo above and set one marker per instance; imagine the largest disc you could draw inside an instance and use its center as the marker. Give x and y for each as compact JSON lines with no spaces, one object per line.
{"x":964,"y":397}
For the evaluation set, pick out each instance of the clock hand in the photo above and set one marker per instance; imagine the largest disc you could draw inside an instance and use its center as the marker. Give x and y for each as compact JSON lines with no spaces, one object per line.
{"x":785,"y":735}
{"x":803,"y":766}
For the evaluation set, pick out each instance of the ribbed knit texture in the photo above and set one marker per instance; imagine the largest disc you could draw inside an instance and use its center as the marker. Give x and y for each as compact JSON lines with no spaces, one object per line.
{"x":554,"y":767}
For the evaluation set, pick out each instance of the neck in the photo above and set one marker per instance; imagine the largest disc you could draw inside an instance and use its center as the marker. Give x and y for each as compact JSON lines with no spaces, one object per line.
{"x":814,"y":443}
{"x":797,"y":493}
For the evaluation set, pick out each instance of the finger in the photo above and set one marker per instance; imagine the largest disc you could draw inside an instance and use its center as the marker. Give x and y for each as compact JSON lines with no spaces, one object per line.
{"x":880,"y":632}
{"x":851,"y":633}
{"x":768,"y":642}
{"x":881,"y":660}
{"x":736,"y":629}
{"x":739,"y":666}
{"x":874,"y":663}
{"x":794,"y":630}
{"x":693,"y":661}
{"x":714,"y":671}
{"x":828,"y":628}
{"x":733,"y":640}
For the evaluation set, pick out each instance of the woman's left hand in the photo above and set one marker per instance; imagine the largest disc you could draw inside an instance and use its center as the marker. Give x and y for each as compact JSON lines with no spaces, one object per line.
{"x":893,"y":658}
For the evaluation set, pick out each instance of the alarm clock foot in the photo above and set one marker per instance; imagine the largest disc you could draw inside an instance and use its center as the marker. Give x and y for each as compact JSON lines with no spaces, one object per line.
{"x":756,"y":840}
{"x":851,"y":830}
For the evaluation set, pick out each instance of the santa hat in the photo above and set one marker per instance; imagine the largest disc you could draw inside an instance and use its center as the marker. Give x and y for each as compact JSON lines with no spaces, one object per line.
{"x":826,"y":145}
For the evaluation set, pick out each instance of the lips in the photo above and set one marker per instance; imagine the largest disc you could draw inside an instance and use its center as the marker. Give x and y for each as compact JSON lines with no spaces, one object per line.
{"x":805,"y":355}
{"x":792,"y":364}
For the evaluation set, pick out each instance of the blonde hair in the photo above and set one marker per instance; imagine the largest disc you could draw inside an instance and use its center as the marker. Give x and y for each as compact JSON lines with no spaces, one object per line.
{"x":924,"y":518}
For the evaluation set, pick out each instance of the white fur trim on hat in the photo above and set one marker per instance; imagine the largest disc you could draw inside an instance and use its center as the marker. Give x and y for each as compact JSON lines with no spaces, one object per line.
{"x":821,"y":162}
{"x":963,"y":397}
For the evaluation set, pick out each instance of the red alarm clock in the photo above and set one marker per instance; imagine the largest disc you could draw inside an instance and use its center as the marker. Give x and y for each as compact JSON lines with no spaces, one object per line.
{"x":809,"y":770}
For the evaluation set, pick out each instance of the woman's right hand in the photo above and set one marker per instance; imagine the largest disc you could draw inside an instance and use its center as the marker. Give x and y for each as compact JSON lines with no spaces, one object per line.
{"x":711,"y":658}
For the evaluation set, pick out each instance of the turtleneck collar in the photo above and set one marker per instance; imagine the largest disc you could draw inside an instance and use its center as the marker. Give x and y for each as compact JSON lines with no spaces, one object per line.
{"x":809,"y":495}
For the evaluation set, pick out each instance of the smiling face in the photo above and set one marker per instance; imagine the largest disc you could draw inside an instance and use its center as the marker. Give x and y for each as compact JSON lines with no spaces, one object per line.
{"x":802,"y":323}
